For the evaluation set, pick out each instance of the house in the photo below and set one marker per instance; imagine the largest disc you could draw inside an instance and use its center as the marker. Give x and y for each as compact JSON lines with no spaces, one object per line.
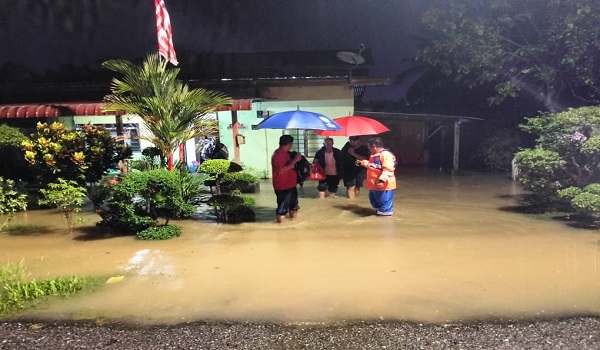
{"x":260,"y":84}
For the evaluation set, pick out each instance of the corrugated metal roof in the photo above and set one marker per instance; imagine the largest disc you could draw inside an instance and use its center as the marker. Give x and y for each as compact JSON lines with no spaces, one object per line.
{"x":52,"y":110}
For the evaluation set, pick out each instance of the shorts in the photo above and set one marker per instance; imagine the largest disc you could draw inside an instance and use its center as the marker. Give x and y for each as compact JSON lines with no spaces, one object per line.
{"x":287,"y":200}
{"x":330,"y":184}
{"x":357,"y":181}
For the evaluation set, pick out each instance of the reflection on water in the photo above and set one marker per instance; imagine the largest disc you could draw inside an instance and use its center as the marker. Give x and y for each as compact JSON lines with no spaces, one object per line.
{"x":450,"y":252}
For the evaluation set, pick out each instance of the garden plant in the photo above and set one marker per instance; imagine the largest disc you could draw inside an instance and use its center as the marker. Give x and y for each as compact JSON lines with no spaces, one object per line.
{"x":65,"y":195}
{"x":17,"y":293}
{"x":172,"y":112}
{"x":83,"y":156}
{"x":138,"y":200}
{"x":11,"y":200}
{"x":228,"y":179}
{"x":563,"y":170}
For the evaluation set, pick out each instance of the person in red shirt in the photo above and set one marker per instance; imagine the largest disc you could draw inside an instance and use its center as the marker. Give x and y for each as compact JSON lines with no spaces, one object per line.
{"x":285,"y":179}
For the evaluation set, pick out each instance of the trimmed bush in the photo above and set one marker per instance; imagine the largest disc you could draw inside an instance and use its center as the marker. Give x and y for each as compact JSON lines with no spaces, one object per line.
{"x":140,"y":198}
{"x":159,"y":232}
{"x":239,"y":181}
{"x":241,"y":214}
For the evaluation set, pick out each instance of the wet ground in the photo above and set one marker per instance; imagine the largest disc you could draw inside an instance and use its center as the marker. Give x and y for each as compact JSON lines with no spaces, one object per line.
{"x":454,"y":251}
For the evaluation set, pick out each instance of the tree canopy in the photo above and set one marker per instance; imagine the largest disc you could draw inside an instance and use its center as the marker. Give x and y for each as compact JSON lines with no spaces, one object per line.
{"x":547,"y":49}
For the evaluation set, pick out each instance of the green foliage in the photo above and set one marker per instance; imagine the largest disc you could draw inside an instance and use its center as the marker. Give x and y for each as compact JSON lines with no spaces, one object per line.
{"x":56,"y":153}
{"x":229,"y":181}
{"x":12,"y":163}
{"x":146,"y":163}
{"x":102,"y":191}
{"x":83,"y":156}
{"x":192,"y":187}
{"x":16,"y":293}
{"x":12,"y":273}
{"x":11,"y":200}
{"x":585,"y":201}
{"x":102,"y":152}
{"x":10,"y":136}
{"x":233,"y":208}
{"x":567,"y":153}
{"x":240,"y":214}
{"x":152,"y":159}
{"x":140,"y":198}
{"x":66,"y":196}
{"x":172,"y":112}
{"x":159,"y":232}
{"x":237,"y":181}
{"x":547,"y":49}
{"x":498,"y":149}
{"x":218,"y":167}
{"x":249,"y":201}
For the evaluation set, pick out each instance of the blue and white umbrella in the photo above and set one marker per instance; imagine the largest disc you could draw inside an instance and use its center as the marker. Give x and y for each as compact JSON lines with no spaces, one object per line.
{"x":298,"y":119}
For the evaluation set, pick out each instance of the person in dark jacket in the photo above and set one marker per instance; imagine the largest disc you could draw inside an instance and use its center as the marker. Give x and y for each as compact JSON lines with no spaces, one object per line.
{"x":331,"y":159}
{"x":354,"y":175}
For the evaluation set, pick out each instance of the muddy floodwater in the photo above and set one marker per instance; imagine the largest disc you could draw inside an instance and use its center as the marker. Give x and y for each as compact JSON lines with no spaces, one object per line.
{"x":453,"y":251}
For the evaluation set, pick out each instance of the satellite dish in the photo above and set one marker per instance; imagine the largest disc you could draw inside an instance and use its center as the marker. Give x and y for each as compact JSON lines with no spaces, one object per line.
{"x":350,"y":57}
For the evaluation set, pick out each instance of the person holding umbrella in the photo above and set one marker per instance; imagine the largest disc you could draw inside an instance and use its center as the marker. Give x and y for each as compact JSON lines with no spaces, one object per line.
{"x":285,"y":179}
{"x":354,"y":175}
{"x":381,"y":180}
{"x":330,"y":158}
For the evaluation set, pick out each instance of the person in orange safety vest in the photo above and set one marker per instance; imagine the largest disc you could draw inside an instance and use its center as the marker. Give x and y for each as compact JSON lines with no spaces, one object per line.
{"x":381,"y":180}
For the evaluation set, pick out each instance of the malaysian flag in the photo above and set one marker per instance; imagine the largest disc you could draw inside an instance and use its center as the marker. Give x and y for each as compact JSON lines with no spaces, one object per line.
{"x":163,"y":30}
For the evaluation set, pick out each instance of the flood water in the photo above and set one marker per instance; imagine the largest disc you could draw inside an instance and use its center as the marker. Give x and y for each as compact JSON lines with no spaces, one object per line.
{"x":453,"y":251}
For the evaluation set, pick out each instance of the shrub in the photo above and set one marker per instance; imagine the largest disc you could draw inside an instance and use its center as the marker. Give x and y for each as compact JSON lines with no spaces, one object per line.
{"x":192,"y":187}
{"x":585,"y":201}
{"x":233,"y":208}
{"x":241,"y":214}
{"x":139,"y":199}
{"x":567,"y":153}
{"x":66,"y":196}
{"x":145,"y":164}
{"x":12,"y":163}
{"x":227,"y":178}
{"x":83,"y":156}
{"x":498,"y":149}
{"x":11,"y":200}
{"x":159,"y":232}
{"x":237,"y":181}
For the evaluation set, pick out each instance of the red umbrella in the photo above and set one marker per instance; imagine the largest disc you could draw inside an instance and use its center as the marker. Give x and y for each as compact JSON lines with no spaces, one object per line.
{"x":353,"y":125}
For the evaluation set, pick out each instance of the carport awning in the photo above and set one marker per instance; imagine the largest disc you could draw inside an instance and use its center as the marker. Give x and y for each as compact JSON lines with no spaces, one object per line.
{"x":53,"y":110}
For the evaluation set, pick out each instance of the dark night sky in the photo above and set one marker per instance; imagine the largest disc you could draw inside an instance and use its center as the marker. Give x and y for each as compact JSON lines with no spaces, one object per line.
{"x":41,"y":36}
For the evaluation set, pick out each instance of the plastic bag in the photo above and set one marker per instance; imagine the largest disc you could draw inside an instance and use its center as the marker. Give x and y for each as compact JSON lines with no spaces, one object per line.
{"x":317,"y":172}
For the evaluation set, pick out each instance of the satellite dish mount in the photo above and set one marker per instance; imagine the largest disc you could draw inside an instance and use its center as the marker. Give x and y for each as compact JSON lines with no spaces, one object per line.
{"x":351,"y":57}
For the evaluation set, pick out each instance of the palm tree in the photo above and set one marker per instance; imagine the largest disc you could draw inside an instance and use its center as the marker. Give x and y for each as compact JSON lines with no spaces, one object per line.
{"x":172,"y":112}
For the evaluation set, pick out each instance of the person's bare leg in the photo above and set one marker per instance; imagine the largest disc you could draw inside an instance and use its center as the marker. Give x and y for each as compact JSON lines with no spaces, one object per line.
{"x":280,"y":218}
{"x":356,"y":191}
{"x":321,"y":194}
{"x":351,"y":192}
{"x":293,"y":214}
{"x":331,"y":194}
